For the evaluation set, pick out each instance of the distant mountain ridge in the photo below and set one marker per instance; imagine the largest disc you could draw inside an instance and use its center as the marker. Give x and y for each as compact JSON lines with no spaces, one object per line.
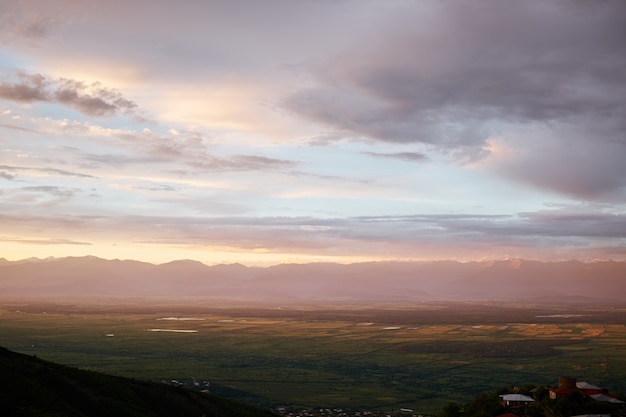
{"x":508,"y":279}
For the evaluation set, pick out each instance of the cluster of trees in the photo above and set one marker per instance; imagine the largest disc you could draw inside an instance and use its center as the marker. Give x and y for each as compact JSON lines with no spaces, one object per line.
{"x":490,"y":405}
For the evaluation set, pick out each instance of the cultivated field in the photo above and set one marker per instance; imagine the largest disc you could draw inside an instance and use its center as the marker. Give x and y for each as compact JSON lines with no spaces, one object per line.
{"x":384,"y":358}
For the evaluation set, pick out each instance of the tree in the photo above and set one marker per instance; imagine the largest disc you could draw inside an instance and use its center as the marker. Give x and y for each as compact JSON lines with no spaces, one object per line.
{"x":570,"y":405}
{"x":484,"y":405}
{"x":450,"y":410}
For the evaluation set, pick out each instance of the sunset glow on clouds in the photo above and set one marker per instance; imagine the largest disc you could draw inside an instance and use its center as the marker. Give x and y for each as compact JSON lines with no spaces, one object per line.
{"x":290,"y":131}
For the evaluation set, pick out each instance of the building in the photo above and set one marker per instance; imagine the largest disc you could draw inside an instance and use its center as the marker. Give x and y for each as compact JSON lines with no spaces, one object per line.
{"x":568,"y":384}
{"x":515,"y":400}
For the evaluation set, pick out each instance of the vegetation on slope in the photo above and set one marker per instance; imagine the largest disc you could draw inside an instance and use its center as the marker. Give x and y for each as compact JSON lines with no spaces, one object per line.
{"x":33,"y":387}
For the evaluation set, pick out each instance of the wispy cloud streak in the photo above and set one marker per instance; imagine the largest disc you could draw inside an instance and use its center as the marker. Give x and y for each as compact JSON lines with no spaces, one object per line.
{"x":89,"y":99}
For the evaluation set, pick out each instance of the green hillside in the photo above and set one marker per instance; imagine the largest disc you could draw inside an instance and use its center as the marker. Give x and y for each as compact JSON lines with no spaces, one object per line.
{"x":33,"y":387}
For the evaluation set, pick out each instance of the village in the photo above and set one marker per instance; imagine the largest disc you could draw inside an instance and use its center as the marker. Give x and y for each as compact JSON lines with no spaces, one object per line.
{"x":564,"y":400}
{"x":568,"y":395}
{"x":341,"y":412}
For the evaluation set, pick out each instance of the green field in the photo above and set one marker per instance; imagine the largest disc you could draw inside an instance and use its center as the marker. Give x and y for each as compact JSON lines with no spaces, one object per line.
{"x":420,"y":357}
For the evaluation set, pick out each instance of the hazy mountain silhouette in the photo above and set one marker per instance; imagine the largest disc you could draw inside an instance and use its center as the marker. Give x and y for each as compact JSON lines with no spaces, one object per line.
{"x":508,"y":279}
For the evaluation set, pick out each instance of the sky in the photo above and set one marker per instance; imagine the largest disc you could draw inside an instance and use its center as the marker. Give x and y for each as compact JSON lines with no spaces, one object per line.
{"x":265,"y":132}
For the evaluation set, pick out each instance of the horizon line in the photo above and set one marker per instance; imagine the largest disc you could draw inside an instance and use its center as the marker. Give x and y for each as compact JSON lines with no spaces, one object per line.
{"x":310,"y":262}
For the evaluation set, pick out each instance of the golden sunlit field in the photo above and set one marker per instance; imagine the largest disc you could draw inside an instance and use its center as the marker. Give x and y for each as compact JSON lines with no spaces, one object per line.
{"x":419,"y":357}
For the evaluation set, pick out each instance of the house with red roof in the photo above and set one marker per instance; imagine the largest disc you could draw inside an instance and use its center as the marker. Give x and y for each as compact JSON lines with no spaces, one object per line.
{"x":568,"y":384}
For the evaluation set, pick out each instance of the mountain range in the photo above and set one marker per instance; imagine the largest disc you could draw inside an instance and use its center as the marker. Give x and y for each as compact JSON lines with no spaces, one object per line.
{"x":383,"y":281}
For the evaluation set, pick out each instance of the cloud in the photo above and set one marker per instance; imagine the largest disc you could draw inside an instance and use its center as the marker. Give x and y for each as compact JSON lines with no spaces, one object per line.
{"x":245,"y":163}
{"x":6,"y":175}
{"x":185,"y":147}
{"x":157,"y":187}
{"x":565,"y":230}
{"x":52,"y":190}
{"x":569,"y":222}
{"x":17,"y":26}
{"x":403,"y":156}
{"x":473,"y":63}
{"x":45,"y":170}
{"x":27,"y":89}
{"x":44,"y":241}
{"x":118,"y":160}
{"x":37,"y":197}
{"x":31,"y":22}
{"x":89,"y":99}
{"x":418,"y":107}
{"x":454,"y":75}
{"x":92,"y":100}
{"x":583,"y":161}
{"x":18,"y":128}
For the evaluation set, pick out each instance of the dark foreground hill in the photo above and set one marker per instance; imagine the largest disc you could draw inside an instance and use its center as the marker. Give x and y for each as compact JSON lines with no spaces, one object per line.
{"x":33,"y":387}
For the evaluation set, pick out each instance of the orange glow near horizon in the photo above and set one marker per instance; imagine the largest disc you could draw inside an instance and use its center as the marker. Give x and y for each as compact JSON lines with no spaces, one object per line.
{"x":157,"y":254}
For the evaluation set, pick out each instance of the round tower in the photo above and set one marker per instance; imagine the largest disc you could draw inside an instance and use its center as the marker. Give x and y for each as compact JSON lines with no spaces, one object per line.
{"x":568,"y":382}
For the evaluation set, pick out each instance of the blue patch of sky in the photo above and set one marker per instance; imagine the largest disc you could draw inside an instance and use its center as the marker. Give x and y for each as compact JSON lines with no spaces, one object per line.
{"x":9,"y":61}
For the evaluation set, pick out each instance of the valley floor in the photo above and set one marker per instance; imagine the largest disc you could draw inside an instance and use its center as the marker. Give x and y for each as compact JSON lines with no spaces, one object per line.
{"x":418,"y":357}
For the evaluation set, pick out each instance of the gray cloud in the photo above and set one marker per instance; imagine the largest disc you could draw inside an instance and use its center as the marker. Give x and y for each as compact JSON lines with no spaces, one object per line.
{"x":566,"y":230}
{"x":551,"y":228}
{"x":65,"y":173}
{"x":451,"y":75}
{"x":372,"y":234}
{"x":59,"y":192}
{"x":584,"y":161}
{"x":157,"y":187}
{"x":19,"y":128}
{"x":189,"y":150}
{"x":30,"y":27}
{"x":527,"y":61}
{"x":100,"y":102}
{"x":89,"y":99}
{"x":26,"y":89}
{"x":15,"y":169}
{"x":248,"y":163}
{"x":6,"y":175}
{"x":33,"y":21}
{"x":565,"y":223}
{"x":403,"y":156}
{"x":118,"y":160}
